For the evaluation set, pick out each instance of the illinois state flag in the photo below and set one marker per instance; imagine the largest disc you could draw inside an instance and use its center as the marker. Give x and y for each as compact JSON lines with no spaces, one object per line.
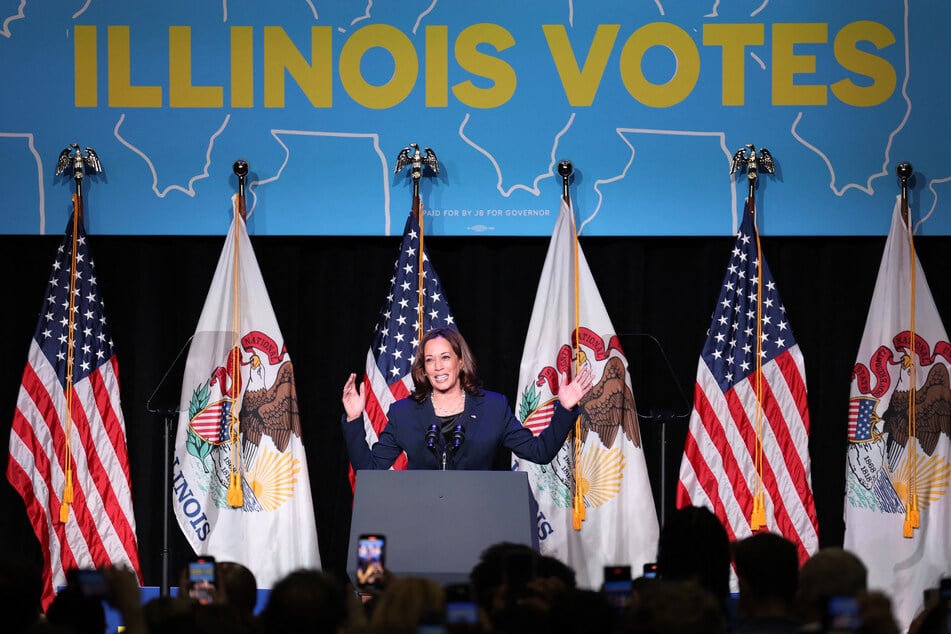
{"x":395,"y":338}
{"x":620,"y":525}
{"x":241,"y":489}
{"x":899,"y":422}
{"x":68,"y":436}
{"x":746,"y":456}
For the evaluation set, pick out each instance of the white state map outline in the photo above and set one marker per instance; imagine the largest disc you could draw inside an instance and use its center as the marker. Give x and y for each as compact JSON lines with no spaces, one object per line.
{"x":277,"y":133}
{"x":189,"y":190}
{"x":868,"y":188}
{"x":41,"y":186}
{"x":21,"y":14}
{"x":688,"y":133}
{"x":533,"y":189}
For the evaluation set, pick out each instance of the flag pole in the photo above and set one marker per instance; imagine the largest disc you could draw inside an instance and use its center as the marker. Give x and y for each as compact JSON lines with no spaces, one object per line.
{"x":747,"y":157}
{"x":912,"y":514}
{"x":566,"y":169}
{"x":235,"y":493}
{"x":74,"y":160}
{"x":413,"y":157}
{"x":240,"y":169}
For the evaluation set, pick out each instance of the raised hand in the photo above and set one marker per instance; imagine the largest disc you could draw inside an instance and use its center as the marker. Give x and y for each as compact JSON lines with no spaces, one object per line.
{"x":354,"y":399}
{"x":572,"y":392}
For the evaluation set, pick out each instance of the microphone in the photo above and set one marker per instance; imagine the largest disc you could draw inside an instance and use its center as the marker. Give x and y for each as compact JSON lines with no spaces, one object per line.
{"x":458,"y":437}
{"x":432,"y":435}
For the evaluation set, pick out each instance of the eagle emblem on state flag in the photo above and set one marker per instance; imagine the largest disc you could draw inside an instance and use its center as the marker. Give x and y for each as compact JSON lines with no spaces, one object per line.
{"x":881,"y":460}
{"x":226,"y":438}
{"x":607,"y":412}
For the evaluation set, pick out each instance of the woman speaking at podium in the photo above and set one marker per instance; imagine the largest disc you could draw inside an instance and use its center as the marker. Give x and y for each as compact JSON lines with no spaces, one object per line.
{"x":449,"y":421}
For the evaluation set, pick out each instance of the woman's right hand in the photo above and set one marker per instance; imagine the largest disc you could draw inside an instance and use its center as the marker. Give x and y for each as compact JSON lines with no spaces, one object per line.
{"x":354,"y":400}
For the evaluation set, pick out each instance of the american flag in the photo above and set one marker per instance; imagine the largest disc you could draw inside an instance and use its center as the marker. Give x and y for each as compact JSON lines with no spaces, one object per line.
{"x":390,"y":357}
{"x":734,"y":453}
{"x":98,"y":527}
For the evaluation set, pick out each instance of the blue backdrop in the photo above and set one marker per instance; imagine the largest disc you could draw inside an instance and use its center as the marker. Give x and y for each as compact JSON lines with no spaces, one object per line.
{"x":649,"y":100}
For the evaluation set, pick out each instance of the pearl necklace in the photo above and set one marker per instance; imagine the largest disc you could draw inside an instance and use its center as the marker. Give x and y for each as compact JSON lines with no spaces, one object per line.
{"x":448,"y":410}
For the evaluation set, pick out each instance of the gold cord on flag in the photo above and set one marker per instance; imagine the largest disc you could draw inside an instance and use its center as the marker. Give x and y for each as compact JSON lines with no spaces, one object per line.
{"x":420,"y":277}
{"x":758,"y":516}
{"x":578,"y":509}
{"x":70,"y":351}
{"x":912,"y":515}
{"x":235,"y":496}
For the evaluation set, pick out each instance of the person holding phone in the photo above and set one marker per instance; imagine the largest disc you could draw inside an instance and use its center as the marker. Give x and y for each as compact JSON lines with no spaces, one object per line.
{"x":202,"y":579}
{"x":449,"y":421}
{"x":370,"y":561}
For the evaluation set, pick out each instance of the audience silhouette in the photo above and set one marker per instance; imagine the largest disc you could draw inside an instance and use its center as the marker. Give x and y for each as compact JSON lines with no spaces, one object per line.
{"x":831,"y":572}
{"x":512,"y":589}
{"x":694,"y":546}
{"x":767,"y":568}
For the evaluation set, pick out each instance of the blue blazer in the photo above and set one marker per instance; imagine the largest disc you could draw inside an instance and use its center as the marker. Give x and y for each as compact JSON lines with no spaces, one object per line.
{"x":489,"y":425}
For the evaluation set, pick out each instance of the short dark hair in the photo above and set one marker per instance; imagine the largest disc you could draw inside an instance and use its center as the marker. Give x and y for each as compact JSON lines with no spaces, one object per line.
{"x":769,"y":563}
{"x":305,"y":601}
{"x":694,"y":546}
{"x":239,"y":585}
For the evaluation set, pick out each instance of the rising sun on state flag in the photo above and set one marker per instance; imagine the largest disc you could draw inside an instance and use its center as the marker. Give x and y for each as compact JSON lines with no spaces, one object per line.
{"x":68,"y":455}
{"x":414,"y":284}
{"x":241,"y":488}
{"x":595,"y":506}
{"x":897,"y":511}
{"x":747,"y":450}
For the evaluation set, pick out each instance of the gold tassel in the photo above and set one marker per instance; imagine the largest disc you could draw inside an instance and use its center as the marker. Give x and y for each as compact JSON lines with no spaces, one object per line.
{"x":67,"y":497}
{"x":577,"y":508}
{"x":914,"y":516}
{"x":68,"y":489}
{"x":758,"y":518}
{"x":908,"y":529}
{"x":235,"y":494}
{"x":578,"y":511}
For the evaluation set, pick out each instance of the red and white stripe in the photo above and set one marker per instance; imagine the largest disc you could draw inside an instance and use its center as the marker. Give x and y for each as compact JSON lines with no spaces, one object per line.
{"x":100,"y":529}
{"x":379,"y":397}
{"x":539,"y":420}
{"x":719,"y":468}
{"x":207,"y":423}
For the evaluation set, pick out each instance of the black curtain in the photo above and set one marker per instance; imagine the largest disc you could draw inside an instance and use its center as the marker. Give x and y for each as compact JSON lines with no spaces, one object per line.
{"x":327,"y":291}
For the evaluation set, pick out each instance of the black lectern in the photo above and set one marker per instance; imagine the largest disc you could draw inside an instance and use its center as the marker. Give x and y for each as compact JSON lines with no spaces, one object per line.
{"x":437,"y":523}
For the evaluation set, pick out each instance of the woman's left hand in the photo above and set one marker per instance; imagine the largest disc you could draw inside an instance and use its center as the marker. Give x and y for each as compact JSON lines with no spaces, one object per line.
{"x":572,"y":392}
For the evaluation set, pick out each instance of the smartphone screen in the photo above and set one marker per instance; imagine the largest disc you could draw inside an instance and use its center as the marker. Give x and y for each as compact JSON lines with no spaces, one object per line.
{"x":842,"y":615}
{"x":89,"y":583}
{"x":202,"y":579}
{"x":617,"y":586}
{"x":461,"y":606}
{"x":371,"y":561}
